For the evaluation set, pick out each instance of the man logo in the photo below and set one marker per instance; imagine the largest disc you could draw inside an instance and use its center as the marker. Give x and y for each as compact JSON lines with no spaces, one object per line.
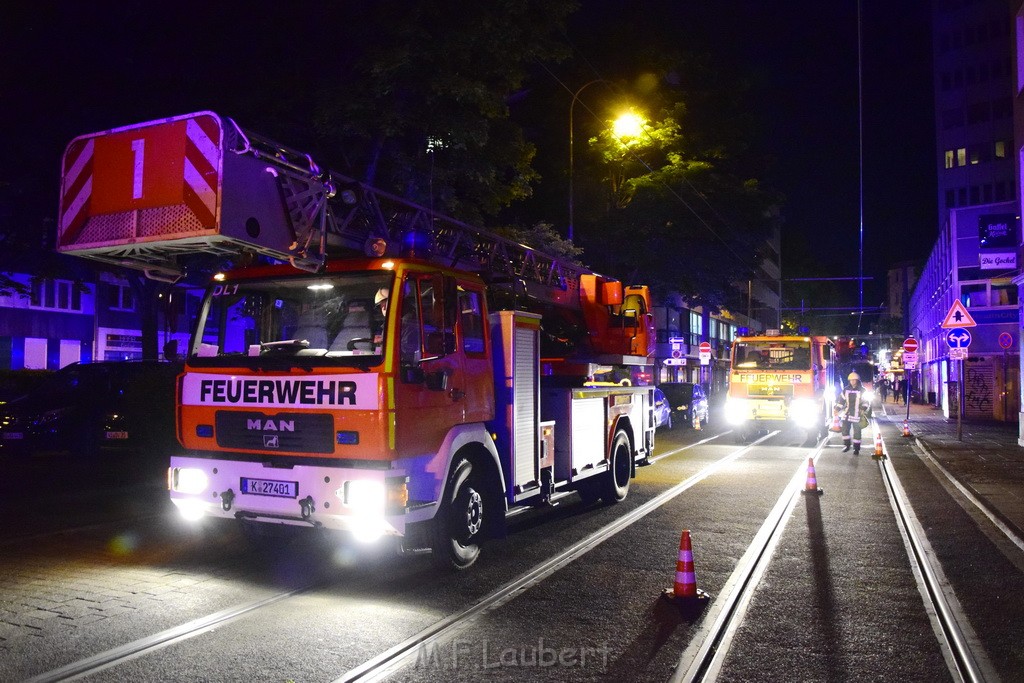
{"x":270,"y":425}
{"x":271,"y":441}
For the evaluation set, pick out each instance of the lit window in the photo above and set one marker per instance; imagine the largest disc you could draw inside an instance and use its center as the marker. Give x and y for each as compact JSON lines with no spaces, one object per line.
{"x":961,"y":156}
{"x":974,"y":157}
{"x":949,"y":158}
{"x":1000,"y":149}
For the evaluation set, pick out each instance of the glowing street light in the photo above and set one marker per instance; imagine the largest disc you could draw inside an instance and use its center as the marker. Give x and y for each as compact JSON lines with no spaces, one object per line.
{"x":628,"y":125}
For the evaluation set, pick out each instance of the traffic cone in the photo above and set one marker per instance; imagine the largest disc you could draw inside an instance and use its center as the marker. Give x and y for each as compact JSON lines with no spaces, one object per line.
{"x":906,"y":428}
{"x":837,"y":422}
{"x":684,"y":590}
{"x":812,"y":481}
{"x":879,"y":454}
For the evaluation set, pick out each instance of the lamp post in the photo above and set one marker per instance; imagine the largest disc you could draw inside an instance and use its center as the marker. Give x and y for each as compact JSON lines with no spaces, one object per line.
{"x":572,"y":107}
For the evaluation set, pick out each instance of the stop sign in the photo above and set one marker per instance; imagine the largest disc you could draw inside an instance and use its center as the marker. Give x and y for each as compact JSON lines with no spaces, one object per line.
{"x":910,"y":345}
{"x":705,"y":347}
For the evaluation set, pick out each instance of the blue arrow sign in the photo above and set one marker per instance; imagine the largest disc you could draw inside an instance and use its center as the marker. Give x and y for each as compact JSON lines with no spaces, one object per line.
{"x":958,"y":338}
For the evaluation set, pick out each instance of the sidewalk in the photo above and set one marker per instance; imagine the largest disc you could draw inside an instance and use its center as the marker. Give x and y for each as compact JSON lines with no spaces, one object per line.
{"x":987,"y":461}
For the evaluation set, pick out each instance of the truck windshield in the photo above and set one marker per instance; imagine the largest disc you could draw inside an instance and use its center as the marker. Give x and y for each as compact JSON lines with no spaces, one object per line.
{"x":776,"y":355}
{"x":333,"y":319}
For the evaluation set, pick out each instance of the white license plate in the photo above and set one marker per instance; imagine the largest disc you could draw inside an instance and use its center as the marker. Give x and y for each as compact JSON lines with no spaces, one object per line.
{"x":13,"y":436}
{"x":269,"y":487}
{"x":117,"y":435}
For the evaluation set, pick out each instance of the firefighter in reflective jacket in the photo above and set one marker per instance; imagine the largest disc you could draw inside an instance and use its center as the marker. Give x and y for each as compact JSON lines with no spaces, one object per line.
{"x":855,"y":411}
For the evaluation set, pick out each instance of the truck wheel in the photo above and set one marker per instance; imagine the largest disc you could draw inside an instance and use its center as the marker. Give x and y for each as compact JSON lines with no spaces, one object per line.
{"x":615,"y":482}
{"x":459,"y":524}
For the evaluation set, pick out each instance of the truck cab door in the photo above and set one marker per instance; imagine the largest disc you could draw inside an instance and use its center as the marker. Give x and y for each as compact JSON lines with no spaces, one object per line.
{"x":430,"y":395}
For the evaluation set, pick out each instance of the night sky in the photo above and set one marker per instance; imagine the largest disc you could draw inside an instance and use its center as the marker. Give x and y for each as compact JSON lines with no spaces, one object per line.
{"x":74,"y":68}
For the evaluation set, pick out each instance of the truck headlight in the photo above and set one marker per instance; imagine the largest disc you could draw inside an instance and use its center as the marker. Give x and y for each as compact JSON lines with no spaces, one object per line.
{"x":869,"y":396}
{"x":736,"y":411}
{"x":191,"y":480}
{"x":364,"y":496}
{"x":804,"y":412}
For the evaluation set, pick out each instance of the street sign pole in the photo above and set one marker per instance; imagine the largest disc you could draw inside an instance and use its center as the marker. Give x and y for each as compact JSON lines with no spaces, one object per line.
{"x":910,"y":345}
{"x":910,"y":376}
{"x":960,"y":402}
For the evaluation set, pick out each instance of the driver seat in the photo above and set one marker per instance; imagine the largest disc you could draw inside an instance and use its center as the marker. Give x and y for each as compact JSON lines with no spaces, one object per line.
{"x":355,"y":325}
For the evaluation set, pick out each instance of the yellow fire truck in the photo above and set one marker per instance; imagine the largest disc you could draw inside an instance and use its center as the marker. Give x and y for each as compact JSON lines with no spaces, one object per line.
{"x":380,"y":370}
{"x":776,"y":379}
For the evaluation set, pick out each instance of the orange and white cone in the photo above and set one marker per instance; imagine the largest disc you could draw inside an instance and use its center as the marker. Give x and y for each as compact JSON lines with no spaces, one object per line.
{"x":812,"y":480}
{"x":879,"y":453}
{"x":906,"y":428}
{"x":684,"y":589}
{"x":837,"y":422}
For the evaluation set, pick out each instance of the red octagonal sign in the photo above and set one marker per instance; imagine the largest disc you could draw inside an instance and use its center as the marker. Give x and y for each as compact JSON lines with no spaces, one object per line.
{"x":910,"y":345}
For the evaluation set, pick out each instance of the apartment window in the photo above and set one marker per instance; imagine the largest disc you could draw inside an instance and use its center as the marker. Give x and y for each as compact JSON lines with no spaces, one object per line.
{"x":961,"y":196}
{"x":975,"y":194}
{"x":121,"y":298}
{"x":1002,"y":108}
{"x":1000,"y":191}
{"x":978,"y":112}
{"x":974,"y":157}
{"x":949,"y":159}
{"x":1000,"y":149}
{"x":952,"y":118}
{"x":974,"y":294}
{"x":950,"y":199}
{"x":61,"y":295}
{"x":986,"y":193}
{"x":961,"y":156}
{"x":1003,"y":294}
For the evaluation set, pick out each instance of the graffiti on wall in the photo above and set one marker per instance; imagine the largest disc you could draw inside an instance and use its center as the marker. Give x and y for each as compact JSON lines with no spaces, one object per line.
{"x":979,"y":390}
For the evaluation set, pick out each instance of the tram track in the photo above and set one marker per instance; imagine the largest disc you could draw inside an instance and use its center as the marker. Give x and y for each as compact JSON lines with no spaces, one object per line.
{"x":703,"y":660}
{"x":403,"y":653}
{"x":961,"y":647}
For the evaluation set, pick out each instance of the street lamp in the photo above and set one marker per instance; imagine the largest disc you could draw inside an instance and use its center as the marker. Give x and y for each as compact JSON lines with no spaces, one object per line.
{"x":572,"y":107}
{"x":629,"y":125}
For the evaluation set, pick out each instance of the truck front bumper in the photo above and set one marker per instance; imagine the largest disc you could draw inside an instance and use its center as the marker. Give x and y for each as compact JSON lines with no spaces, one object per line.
{"x":367,"y":503}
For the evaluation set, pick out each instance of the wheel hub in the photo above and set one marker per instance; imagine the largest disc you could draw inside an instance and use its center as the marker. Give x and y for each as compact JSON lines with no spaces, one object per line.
{"x":474,"y":512}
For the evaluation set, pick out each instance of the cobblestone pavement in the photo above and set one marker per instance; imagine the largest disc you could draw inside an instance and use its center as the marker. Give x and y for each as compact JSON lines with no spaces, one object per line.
{"x":986,"y":458}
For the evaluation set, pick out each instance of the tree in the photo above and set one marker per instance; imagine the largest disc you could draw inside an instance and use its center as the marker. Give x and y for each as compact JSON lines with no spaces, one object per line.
{"x":421,"y":109}
{"x":678,"y":197}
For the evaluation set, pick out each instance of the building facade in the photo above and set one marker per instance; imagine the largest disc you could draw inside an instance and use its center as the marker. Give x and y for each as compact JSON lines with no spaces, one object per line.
{"x":974,"y":261}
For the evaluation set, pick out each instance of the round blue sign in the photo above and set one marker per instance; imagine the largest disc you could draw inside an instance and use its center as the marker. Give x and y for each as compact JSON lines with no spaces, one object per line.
{"x":958,"y":338}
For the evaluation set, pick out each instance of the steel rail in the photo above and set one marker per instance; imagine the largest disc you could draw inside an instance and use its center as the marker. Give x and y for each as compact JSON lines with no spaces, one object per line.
{"x":976,"y":499}
{"x":393,"y":657}
{"x":963,"y":654}
{"x":703,"y":659}
{"x":398,"y":656}
{"x":105,"y":660}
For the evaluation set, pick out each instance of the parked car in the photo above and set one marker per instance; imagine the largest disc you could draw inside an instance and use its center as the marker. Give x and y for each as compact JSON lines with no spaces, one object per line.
{"x":688,"y":401}
{"x":662,"y":410}
{"x":85,"y":407}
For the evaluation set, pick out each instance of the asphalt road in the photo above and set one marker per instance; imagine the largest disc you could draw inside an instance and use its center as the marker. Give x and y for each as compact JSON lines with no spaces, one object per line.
{"x":92,"y":558}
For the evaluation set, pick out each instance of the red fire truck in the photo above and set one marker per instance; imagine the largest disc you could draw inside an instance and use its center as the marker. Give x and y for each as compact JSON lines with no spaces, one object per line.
{"x":388,"y":372}
{"x":778,"y":379}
